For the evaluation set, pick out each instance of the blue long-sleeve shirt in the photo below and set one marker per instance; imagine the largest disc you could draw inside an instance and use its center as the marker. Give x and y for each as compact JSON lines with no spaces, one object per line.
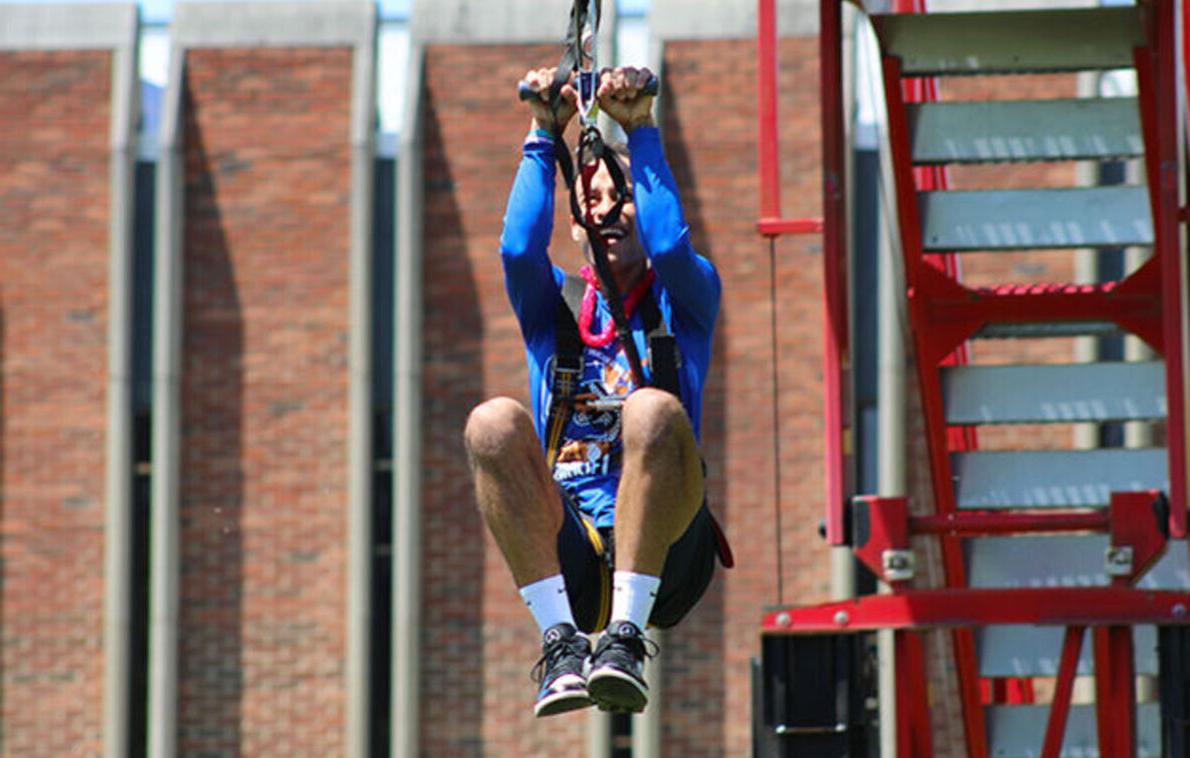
{"x":686,"y":289}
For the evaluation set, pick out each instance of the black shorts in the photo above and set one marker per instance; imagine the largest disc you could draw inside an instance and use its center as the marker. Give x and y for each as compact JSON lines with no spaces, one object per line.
{"x":586,"y":556}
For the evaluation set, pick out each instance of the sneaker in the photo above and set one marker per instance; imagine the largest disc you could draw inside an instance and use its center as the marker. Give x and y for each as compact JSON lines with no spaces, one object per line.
{"x":615,"y":679}
{"x":560,"y":671}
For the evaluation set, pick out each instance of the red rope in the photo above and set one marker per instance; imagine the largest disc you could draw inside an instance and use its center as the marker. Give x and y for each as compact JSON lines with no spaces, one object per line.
{"x":587,"y":310}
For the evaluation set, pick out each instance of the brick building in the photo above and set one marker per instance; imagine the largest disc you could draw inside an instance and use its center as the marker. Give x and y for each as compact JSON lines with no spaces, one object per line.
{"x":235,"y":510}
{"x":223,"y":458}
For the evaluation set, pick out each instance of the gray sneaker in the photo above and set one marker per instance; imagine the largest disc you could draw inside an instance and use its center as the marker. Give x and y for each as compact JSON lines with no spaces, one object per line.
{"x":560,"y":671}
{"x":615,"y":678}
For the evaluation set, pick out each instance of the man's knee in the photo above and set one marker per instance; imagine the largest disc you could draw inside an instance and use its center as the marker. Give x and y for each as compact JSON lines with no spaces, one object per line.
{"x":495,"y":427}
{"x":654,"y":417}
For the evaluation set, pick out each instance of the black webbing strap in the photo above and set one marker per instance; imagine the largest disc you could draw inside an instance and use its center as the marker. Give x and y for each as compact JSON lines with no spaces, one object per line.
{"x":568,"y":364}
{"x":572,"y":53}
{"x":590,"y":153}
{"x":664,"y":356}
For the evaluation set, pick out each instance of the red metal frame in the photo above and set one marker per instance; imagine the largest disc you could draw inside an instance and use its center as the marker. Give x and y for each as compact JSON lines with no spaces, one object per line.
{"x":944,"y":315}
{"x":913,"y":714}
{"x":1132,"y":519}
{"x":1055,"y":727}
{"x":832,"y":226}
{"x":1157,"y":80}
{"x":1115,"y":691}
{"x":966,"y":607}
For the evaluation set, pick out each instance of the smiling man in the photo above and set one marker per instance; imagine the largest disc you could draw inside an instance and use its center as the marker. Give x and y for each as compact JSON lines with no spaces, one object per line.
{"x":604,"y":523}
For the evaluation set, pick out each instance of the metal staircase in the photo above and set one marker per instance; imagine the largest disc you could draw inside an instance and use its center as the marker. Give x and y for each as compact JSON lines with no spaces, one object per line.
{"x":1043,"y":545}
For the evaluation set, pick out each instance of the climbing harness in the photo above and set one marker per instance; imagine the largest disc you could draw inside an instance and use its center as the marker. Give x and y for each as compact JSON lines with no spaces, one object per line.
{"x":664,"y":356}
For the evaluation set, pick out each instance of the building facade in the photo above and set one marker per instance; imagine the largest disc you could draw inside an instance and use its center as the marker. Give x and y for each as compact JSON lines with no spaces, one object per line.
{"x":235,"y":507}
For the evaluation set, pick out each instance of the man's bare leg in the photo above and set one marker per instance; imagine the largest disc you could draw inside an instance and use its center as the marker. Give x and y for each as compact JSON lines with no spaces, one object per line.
{"x":661,"y":489}
{"x":519,"y":502}
{"x":516,"y":494}
{"x":661,"y":486}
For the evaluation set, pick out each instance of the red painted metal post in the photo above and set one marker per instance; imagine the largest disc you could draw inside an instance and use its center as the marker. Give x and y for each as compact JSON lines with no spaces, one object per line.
{"x":978,"y":523}
{"x":834,"y":260}
{"x":904,"y":694}
{"x":965,"y":607}
{"x":1168,"y":243}
{"x":1055,"y":728}
{"x":1156,"y":75}
{"x":913,"y":711}
{"x":766,"y":108}
{"x":1115,"y":696}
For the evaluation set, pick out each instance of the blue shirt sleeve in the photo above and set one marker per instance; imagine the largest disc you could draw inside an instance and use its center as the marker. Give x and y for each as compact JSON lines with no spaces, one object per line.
{"x":529,"y":277}
{"x":691,"y":280}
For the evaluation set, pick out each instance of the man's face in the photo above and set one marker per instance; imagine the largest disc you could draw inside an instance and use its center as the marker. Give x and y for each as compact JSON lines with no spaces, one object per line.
{"x":624,"y":251}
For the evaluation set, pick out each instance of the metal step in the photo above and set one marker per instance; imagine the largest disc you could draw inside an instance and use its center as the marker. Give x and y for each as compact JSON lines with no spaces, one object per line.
{"x":1036,"y":651}
{"x":1054,"y":393}
{"x":1062,"y":561}
{"x":1055,"y":478}
{"x":957,"y":220}
{"x":1025,"y":130}
{"x":1017,"y":731}
{"x":1005,"y":42}
{"x":1066,"y":561}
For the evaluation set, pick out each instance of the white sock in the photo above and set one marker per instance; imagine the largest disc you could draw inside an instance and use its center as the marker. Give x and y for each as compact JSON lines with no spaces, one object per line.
{"x":548,"y":602}
{"x":633,"y":596}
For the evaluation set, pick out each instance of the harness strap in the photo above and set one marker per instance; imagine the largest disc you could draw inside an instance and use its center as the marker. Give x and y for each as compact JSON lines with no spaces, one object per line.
{"x":568,"y":364}
{"x":664,"y":356}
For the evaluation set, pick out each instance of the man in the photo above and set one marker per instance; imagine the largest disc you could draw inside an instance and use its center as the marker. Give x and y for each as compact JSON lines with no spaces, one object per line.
{"x":627,"y":473}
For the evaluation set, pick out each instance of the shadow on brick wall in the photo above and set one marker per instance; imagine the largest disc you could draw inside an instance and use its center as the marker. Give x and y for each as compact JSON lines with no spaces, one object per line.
{"x":452,"y":384}
{"x":211,"y":667}
{"x":694,"y":684}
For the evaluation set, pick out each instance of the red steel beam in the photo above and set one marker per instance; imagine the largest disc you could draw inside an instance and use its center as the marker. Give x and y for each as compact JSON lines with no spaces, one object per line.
{"x":836,"y":350}
{"x":1115,"y":695}
{"x":1156,"y":77}
{"x":775,"y":227}
{"x":1168,"y":239}
{"x":1055,"y":727}
{"x":766,"y":108}
{"x":1047,"y":606}
{"x":981,"y":523}
{"x":913,"y":710}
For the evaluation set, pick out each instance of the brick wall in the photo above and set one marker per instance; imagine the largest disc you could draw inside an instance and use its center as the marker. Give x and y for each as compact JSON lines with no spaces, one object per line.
{"x":54,"y":206}
{"x":264,"y":397}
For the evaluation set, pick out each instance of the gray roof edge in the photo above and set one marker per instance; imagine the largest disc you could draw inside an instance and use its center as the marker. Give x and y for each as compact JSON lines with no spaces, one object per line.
{"x":68,"y":26}
{"x":728,"y":19}
{"x":491,"y":22}
{"x":299,"y":23}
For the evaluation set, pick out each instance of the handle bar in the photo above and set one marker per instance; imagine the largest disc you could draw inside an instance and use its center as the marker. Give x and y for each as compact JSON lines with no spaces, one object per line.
{"x":652,"y":87}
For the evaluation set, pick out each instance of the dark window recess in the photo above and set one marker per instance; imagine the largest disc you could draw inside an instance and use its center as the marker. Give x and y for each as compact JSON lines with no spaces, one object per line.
{"x":142,"y":401}
{"x":383,"y":232}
